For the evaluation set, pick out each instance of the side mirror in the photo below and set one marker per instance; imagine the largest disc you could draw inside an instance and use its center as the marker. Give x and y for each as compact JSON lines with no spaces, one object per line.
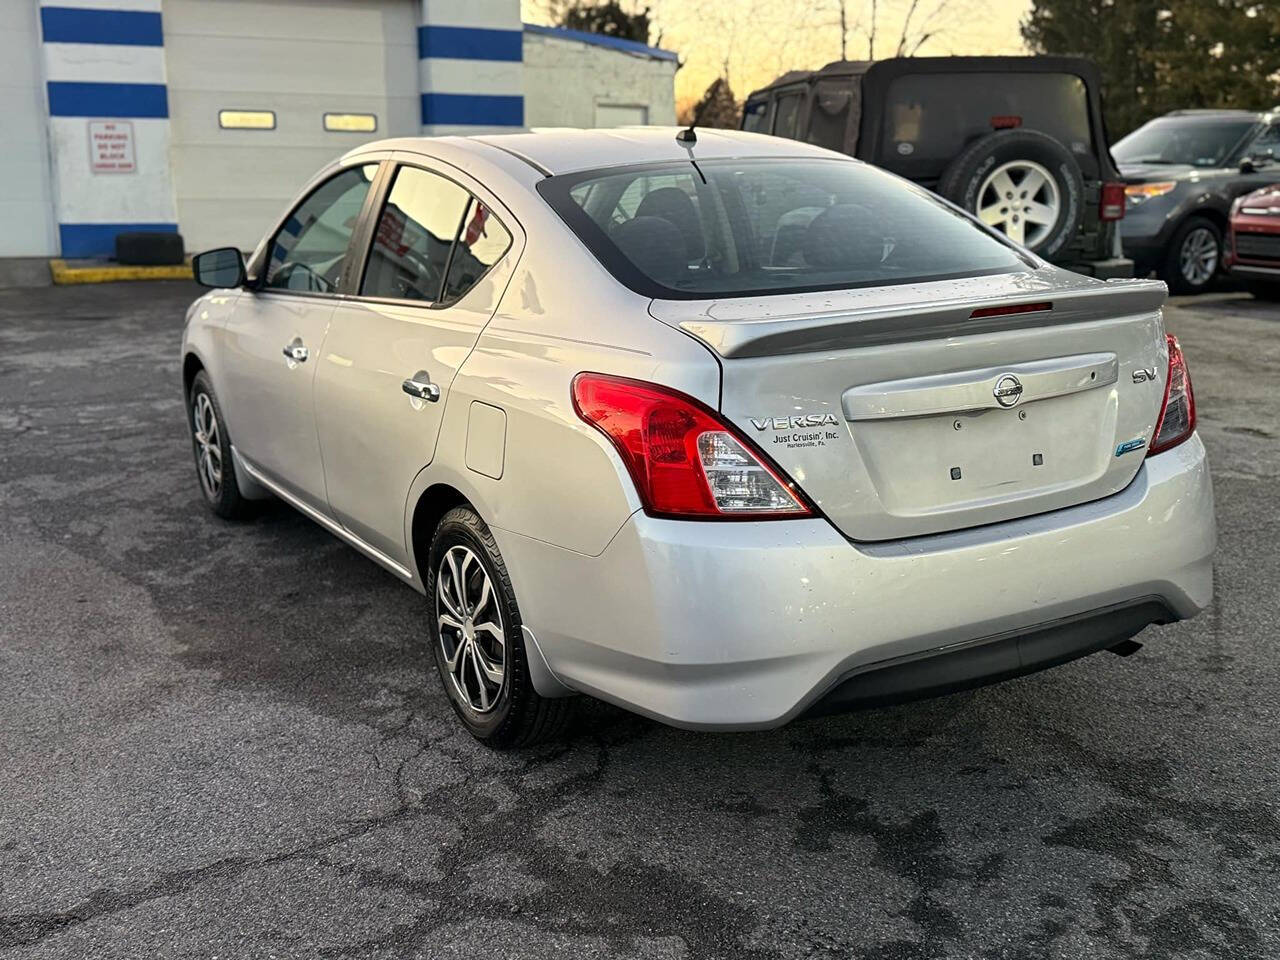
{"x":1251,"y":164}
{"x":223,"y":267}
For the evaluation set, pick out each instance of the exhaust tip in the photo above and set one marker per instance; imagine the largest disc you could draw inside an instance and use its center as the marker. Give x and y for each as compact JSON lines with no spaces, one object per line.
{"x":1126,"y":648}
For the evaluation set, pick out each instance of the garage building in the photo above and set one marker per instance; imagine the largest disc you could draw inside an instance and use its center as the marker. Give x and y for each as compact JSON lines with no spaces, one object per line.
{"x":206,"y":116}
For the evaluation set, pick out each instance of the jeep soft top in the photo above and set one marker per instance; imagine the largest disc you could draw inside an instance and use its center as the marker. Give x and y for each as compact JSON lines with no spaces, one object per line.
{"x":970,"y":128}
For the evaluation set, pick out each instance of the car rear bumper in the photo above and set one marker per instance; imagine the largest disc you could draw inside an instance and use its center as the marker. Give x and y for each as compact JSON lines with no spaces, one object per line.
{"x":746,"y":625}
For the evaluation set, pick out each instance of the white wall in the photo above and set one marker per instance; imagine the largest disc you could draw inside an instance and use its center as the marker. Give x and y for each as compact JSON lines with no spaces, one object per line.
{"x":566,"y":80}
{"x":299,"y":58}
{"x":472,"y":74}
{"x":26,"y":205}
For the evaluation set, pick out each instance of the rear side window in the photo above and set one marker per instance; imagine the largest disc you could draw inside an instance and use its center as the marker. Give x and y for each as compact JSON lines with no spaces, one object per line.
{"x":480,"y":245}
{"x":930,"y":118}
{"x":829,"y":116}
{"x":749,"y":227}
{"x":414,"y":237}
{"x":310,"y":250}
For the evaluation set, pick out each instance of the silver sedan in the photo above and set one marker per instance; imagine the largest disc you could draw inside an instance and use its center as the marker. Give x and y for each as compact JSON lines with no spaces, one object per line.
{"x":721,"y":428}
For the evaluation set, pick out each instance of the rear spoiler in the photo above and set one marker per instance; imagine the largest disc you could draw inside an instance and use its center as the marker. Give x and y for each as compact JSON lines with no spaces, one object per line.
{"x":930,"y":320}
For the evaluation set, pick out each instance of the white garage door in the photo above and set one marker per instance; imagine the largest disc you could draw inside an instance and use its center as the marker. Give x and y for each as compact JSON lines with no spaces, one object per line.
{"x":26,"y":208}
{"x":297,"y":60}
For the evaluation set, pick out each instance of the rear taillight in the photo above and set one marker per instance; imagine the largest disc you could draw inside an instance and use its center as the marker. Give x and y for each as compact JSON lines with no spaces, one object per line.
{"x":684,"y":459}
{"x":1178,"y":412}
{"x":1111,"y":203}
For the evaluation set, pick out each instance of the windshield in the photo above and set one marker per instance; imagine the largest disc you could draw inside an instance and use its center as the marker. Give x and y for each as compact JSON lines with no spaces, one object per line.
{"x":1183,"y":140}
{"x":728,"y":228}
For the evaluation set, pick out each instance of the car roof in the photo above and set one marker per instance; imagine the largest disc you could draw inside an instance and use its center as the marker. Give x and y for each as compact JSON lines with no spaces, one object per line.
{"x":559,"y":150}
{"x":893,"y":67}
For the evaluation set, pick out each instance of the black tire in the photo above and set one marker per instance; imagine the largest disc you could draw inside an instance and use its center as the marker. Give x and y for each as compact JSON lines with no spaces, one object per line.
{"x":1171,"y":269}
{"x":963,"y":179}
{"x":1264,"y":289}
{"x":517,"y":716}
{"x":224,"y":497}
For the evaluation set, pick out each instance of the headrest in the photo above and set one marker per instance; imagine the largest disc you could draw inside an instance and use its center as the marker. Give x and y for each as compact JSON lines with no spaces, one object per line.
{"x":654,"y":245}
{"x":672,"y":203}
{"x":846,"y":235}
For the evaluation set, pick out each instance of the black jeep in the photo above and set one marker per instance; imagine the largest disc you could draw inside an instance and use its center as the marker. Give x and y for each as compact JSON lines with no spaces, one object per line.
{"x":1017,"y":140}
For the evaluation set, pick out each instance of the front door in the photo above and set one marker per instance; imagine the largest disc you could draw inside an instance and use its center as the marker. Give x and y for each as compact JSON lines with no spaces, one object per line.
{"x":274,"y":336}
{"x":435,"y":272}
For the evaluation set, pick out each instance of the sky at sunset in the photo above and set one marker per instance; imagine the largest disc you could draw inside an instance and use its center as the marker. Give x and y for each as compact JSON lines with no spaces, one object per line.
{"x":761,"y":39}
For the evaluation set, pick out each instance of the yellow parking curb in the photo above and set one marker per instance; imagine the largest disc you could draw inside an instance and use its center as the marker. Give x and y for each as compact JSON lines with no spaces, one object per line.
{"x":64,"y":272}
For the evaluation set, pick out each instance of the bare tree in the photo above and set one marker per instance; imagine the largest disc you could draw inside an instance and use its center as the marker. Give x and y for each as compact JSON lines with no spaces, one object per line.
{"x":909,"y":44}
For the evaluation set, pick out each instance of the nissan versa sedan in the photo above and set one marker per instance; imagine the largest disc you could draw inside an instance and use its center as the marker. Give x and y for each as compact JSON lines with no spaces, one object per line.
{"x":722,"y":428}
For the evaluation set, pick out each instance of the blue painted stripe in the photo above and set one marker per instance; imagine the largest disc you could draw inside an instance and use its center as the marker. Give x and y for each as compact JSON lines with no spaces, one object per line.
{"x":136,"y":28}
{"x":484,"y":110}
{"x":99,"y":239}
{"x":67,"y":99}
{"x":470,"y":43}
{"x":602,"y":40}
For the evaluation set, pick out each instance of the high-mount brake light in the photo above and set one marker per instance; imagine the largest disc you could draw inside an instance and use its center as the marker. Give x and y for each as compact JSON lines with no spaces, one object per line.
{"x":1010,"y":309}
{"x":685,"y":460}
{"x":1177,"y":419}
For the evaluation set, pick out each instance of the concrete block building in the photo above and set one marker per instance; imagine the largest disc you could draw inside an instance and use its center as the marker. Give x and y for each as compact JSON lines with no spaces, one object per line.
{"x":206,"y":116}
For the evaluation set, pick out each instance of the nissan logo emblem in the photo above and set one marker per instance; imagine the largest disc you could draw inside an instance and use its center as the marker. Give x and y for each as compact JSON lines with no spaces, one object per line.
{"x":1008,"y":390}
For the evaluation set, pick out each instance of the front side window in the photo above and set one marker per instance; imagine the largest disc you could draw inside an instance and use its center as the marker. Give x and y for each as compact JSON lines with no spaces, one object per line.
{"x":1194,"y":141}
{"x":755,"y":116}
{"x":754,"y":227}
{"x":309,"y":251}
{"x":1268,"y":144}
{"x":414,"y":237}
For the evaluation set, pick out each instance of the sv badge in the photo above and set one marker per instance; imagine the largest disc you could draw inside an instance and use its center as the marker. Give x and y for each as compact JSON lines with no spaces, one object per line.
{"x":1143,"y":374}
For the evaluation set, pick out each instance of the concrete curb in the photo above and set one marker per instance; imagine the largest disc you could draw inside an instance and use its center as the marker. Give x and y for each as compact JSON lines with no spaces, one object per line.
{"x":67,"y":273}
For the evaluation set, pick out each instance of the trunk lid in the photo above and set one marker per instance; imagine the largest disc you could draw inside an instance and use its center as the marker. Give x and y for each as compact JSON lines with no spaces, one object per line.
{"x":900,"y":413}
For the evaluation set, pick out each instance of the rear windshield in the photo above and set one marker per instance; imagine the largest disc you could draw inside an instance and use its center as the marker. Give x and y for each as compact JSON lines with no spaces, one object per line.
{"x":1178,"y":140}
{"x":732,"y":228}
{"x":930,"y":118}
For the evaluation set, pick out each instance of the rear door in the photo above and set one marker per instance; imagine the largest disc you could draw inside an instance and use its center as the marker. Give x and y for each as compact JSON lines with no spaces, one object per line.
{"x":274,"y":337}
{"x":440,"y":253}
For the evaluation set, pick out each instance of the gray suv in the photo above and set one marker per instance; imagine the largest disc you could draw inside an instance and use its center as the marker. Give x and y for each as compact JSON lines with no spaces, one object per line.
{"x":1183,"y":171}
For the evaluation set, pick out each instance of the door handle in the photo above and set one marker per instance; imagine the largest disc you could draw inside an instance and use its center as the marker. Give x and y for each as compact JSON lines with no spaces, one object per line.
{"x":297,"y":352}
{"x":420,"y":387}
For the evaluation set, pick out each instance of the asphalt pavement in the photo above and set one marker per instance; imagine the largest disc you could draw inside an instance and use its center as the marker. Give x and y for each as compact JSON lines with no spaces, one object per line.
{"x":227,"y":740}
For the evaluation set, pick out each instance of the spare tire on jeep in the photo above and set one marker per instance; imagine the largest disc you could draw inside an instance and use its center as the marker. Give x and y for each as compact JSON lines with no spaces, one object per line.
{"x":1023,"y":183}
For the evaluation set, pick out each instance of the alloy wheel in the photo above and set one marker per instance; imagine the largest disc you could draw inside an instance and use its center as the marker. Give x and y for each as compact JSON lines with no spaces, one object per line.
{"x":1021,"y":199}
{"x":1198,"y":258}
{"x":471,"y":629}
{"x":208,"y":440}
